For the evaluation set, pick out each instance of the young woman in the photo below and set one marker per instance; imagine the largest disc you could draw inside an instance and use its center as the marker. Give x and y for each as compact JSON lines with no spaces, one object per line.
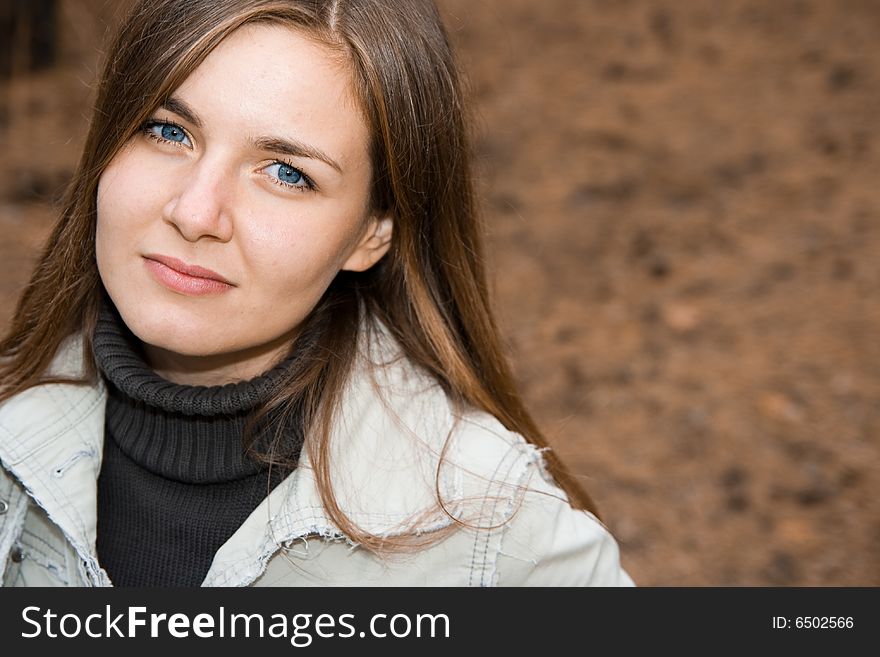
{"x":257,"y":349}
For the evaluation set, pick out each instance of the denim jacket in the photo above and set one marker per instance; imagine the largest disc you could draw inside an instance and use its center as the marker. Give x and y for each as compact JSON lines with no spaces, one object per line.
{"x":393,"y":426}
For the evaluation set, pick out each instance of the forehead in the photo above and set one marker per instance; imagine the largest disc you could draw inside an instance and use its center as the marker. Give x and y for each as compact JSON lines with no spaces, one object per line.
{"x":276,"y":80}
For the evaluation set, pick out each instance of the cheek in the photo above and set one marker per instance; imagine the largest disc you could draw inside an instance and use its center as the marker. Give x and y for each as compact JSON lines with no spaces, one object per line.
{"x":108,"y":232}
{"x":108,"y":215}
{"x":287,"y":260}
{"x":297,"y":250}
{"x":122,"y":204}
{"x":128,"y":190}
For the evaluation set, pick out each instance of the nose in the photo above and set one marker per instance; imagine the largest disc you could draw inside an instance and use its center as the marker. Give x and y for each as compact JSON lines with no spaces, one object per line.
{"x":201,"y":206}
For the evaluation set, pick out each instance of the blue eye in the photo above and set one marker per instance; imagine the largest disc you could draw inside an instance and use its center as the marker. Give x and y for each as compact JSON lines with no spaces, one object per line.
{"x":168,"y":132}
{"x":288,"y":176}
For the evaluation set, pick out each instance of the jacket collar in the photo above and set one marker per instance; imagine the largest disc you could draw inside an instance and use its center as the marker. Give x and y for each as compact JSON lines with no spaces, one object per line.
{"x":389,"y":433}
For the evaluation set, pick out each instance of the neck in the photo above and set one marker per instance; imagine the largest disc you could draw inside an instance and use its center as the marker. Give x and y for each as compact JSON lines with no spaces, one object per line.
{"x":216,"y":369}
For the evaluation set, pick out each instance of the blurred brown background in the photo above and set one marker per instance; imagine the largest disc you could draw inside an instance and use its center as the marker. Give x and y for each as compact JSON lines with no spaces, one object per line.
{"x":684,"y":219}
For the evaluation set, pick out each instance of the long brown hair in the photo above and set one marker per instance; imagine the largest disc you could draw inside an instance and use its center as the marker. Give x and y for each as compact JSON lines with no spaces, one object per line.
{"x":430,"y":288}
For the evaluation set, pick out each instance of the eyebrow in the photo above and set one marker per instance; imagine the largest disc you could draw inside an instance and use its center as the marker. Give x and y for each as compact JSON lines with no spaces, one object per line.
{"x":295,"y":148}
{"x":292,"y":147}
{"x":180,"y":108}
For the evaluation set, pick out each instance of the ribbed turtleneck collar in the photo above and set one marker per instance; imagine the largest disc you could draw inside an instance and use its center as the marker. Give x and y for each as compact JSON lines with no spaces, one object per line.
{"x":186,"y":433}
{"x":119,"y":357}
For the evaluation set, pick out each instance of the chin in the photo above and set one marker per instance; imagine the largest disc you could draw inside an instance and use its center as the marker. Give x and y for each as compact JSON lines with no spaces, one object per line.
{"x":175,"y":331}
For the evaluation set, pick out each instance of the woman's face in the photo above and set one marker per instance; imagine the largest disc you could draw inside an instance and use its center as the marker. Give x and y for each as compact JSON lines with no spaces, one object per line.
{"x":222,"y":223}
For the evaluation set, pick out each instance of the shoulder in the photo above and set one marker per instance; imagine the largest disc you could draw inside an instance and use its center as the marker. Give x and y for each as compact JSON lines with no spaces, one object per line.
{"x":549,"y":543}
{"x":416,"y":455}
{"x":400,"y":443}
{"x":538,"y":538}
{"x":65,"y":399}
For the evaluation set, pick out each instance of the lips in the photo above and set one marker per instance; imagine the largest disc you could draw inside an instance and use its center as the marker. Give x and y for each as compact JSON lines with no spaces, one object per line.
{"x":189,"y":270}
{"x":186,"y":279}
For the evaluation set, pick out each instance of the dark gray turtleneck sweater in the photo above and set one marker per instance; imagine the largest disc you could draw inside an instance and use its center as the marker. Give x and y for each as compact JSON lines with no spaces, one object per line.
{"x":175,"y":483}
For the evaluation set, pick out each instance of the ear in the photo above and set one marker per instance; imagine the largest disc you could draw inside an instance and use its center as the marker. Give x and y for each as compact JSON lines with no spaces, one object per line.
{"x":374,"y":243}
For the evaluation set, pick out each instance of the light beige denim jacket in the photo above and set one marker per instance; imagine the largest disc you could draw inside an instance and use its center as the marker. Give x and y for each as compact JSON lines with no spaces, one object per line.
{"x":388,"y":438}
